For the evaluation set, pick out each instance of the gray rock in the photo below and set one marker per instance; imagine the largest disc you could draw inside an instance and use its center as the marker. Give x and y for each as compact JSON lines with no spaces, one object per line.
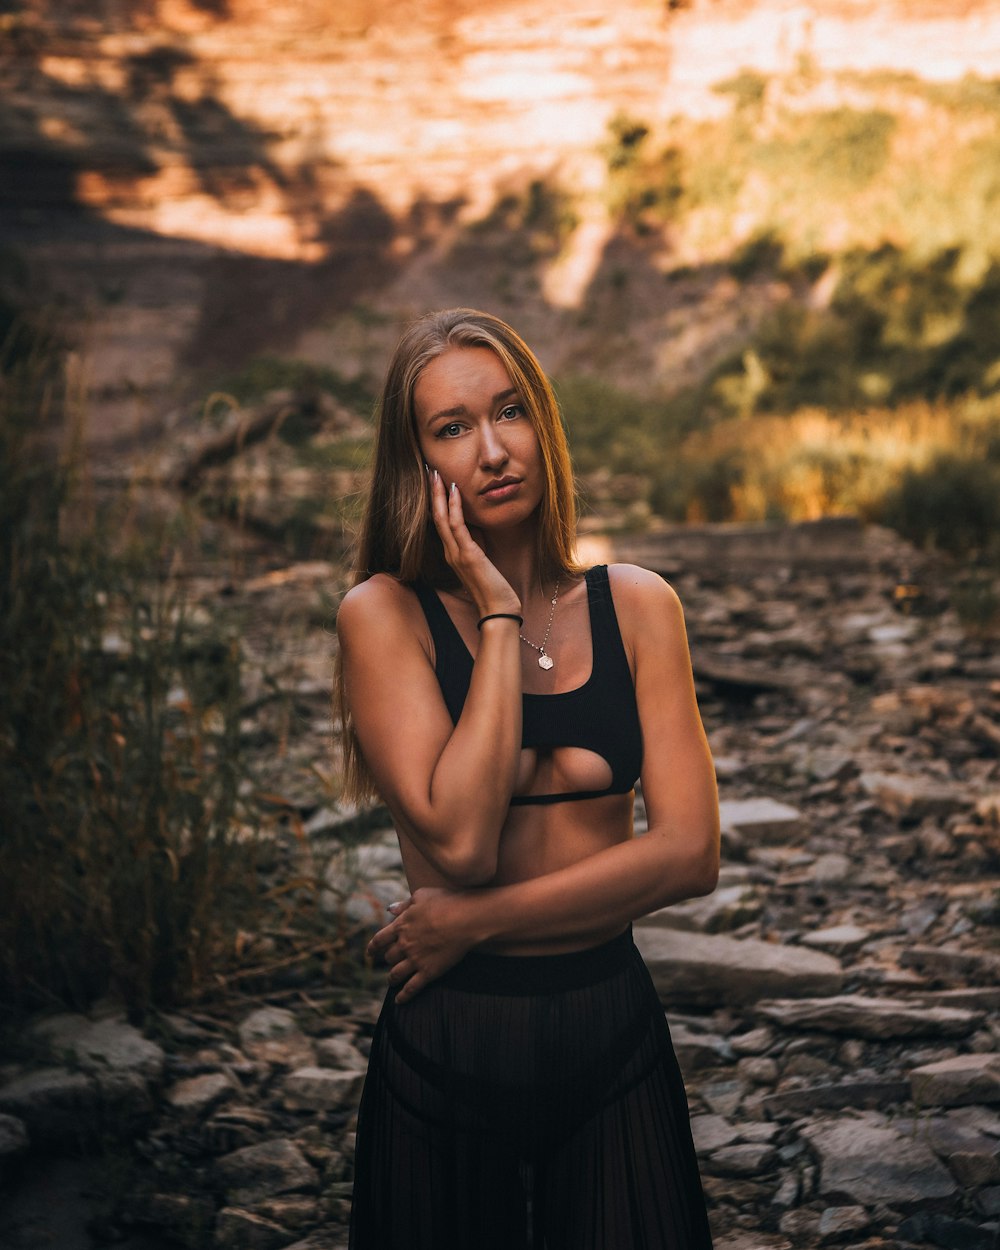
{"x":321,"y":1089}
{"x":939,"y":1229}
{"x":52,"y":1103}
{"x":236,"y":1229}
{"x":801,"y":1225}
{"x":841,"y":939}
{"x":988,"y":1200}
{"x":362,"y":881}
{"x":198,"y":1094}
{"x":758,"y":1130}
{"x":695,"y":1051}
{"x":292,"y":1211}
{"x":976,"y":997}
{"x":321,"y":1241}
{"x":233,"y":1127}
{"x":836,"y":1095}
{"x":761,"y":819}
{"x":180,"y":1212}
{"x":972,"y":1168}
{"x":266,"y":1023}
{"x":13,"y":1139}
{"x":727,"y":908}
{"x":830,"y":765}
{"x":711,"y":1132}
{"x":831,"y":869}
{"x":860,"y":1016}
{"x":711,"y":969}
{"x":968,"y":1140}
{"x":864,"y":1158}
{"x":787,"y":1193}
{"x":339,"y":1052}
{"x":100,"y":1045}
{"x":949,"y":961}
{"x":724,"y":1097}
{"x":754,"y":1042}
{"x":957,"y":1081}
{"x":743,"y":1159}
{"x":836,"y":1223}
{"x":913,"y":798}
{"x":263,"y":1170}
{"x":272,"y":1035}
{"x":758,"y":1069}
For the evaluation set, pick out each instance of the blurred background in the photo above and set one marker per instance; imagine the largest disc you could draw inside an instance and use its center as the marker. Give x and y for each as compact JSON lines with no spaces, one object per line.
{"x":756,"y":245}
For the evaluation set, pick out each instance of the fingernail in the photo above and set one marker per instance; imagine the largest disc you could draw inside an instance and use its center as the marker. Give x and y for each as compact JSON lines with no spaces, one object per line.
{"x":395,"y":908}
{"x":436,"y":475}
{"x":454,"y":489}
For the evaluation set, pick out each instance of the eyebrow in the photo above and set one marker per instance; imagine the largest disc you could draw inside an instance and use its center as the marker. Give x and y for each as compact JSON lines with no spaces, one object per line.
{"x":460,"y":409}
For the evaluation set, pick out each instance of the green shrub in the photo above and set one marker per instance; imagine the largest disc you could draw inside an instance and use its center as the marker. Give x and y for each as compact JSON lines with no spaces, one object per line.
{"x":951,"y":504}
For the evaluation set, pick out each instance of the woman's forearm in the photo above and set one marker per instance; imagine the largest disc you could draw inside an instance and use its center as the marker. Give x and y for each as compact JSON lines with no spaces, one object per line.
{"x":604,"y":891}
{"x":471,"y":784}
{"x":433,"y":929}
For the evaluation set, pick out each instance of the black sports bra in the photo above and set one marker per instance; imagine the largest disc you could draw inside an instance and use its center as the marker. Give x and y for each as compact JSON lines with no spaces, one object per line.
{"x":600,"y":716}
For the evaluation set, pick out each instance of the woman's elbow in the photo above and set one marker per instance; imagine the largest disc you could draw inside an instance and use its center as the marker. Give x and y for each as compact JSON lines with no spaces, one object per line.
{"x":706,"y":869}
{"x":465,"y":868}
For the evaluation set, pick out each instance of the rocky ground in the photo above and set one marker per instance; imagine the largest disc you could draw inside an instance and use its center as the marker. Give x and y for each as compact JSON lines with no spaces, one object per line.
{"x":833,"y":1004}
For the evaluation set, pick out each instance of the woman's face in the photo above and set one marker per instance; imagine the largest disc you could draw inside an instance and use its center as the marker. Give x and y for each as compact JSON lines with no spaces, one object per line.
{"x":472,"y":428}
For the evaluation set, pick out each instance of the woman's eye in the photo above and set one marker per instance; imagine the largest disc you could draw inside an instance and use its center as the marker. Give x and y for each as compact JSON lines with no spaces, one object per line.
{"x":511,"y":412}
{"x":451,"y":430}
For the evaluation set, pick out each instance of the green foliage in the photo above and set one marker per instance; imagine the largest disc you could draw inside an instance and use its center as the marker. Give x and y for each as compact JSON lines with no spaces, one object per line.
{"x":950,"y":504}
{"x":837,"y":149}
{"x":748,"y":88}
{"x":645,"y":187}
{"x":126,"y":860}
{"x":522,"y":227}
{"x":264,"y":374}
{"x":896,"y":329}
{"x":907,"y":160}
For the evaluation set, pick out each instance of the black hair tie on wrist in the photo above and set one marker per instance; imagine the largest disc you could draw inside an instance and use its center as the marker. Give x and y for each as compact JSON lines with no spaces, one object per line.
{"x":500,"y":616}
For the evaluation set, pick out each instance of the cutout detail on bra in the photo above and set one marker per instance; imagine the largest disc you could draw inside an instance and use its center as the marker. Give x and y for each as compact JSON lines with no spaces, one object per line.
{"x":600,"y":716}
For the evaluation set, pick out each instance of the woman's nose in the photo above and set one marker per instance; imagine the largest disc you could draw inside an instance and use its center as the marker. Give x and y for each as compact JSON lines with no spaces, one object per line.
{"x":492,"y":451}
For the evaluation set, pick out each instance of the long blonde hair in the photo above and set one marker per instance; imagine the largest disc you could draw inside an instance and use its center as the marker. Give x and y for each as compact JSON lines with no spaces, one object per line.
{"x":397,"y":535}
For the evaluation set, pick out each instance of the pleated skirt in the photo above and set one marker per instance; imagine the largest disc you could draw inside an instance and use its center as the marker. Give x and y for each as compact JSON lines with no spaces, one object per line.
{"x":528,"y":1103}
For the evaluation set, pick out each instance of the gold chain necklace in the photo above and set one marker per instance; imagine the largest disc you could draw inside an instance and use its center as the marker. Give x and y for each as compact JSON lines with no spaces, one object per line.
{"x":544,"y":660}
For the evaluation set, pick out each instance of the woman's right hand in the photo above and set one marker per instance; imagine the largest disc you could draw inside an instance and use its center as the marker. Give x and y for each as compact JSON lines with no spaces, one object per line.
{"x":487,"y":587}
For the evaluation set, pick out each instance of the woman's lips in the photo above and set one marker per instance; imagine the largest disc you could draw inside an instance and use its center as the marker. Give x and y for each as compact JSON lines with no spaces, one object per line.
{"x":505,"y":488}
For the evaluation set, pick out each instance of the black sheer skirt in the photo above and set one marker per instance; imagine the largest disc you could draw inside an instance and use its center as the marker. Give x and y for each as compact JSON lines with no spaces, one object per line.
{"x":528,"y":1103}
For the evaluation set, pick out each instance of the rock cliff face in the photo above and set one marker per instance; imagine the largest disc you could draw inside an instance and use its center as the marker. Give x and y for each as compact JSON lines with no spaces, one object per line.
{"x":205,"y":179}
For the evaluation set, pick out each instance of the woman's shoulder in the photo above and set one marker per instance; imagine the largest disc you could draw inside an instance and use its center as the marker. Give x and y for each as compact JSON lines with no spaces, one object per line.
{"x":645,"y":602}
{"x":641,"y":587}
{"x":379,"y":602}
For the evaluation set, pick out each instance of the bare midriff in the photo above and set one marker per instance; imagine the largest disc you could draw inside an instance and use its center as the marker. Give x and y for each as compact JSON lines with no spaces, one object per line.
{"x":537,"y":840}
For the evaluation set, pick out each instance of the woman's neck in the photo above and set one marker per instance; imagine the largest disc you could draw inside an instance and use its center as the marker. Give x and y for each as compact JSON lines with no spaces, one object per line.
{"x":516,"y":557}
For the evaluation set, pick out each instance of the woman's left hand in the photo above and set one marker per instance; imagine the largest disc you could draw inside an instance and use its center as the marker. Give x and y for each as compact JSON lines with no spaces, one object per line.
{"x":423,"y":941}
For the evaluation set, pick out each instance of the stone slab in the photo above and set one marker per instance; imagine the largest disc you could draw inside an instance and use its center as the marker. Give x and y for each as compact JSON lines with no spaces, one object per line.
{"x":960,"y":1081}
{"x":761,"y":819}
{"x":711,"y":969}
{"x":866,"y":1160}
{"x":263,"y":1170}
{"x":322,"y":1089}
{"x":861,"y":1016}
{"x":834,"y":1096}
{"x":100,"y":1045}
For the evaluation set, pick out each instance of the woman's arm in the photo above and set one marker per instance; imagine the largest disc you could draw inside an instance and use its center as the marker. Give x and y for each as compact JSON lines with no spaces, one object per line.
{"x":678,"y":857}
{"x":448,"y":786}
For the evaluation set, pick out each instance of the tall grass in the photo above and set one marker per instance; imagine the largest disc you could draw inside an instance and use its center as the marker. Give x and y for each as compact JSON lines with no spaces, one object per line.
{"x":126,"y":845}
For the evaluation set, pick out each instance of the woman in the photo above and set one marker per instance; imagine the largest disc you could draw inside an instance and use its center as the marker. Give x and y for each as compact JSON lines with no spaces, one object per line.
{"x":522,"y":1090}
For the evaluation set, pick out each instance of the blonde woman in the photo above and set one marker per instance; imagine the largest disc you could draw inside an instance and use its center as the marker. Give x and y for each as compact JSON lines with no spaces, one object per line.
{"x":522,"y":1089}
